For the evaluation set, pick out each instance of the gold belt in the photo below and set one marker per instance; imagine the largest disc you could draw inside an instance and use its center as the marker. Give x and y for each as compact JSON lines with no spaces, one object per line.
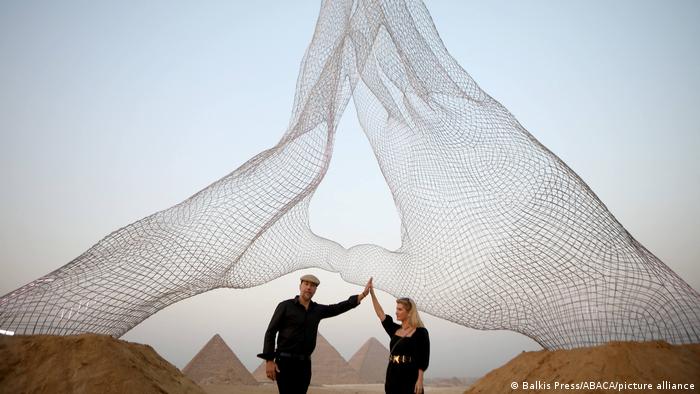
{"x":399,"y":359}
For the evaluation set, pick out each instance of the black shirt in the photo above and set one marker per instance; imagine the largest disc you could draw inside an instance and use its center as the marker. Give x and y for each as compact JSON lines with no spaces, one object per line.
{"x":297,"y":326}
{"x":417,"y":345}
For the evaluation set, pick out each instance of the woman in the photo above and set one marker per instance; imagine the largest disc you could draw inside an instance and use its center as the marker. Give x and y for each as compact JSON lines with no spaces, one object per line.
{"x":409,"y":346}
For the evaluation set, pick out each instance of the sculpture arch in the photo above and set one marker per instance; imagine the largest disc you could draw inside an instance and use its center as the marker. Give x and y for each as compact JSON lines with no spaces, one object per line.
{"x":497,"y":232}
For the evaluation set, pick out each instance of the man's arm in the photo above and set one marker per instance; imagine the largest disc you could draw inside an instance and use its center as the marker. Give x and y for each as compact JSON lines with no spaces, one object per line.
{"x":342,"y":307}
{"x":268,"y":352}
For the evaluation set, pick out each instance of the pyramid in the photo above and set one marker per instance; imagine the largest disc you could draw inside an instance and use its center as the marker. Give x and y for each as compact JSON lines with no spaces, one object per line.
{"x":327,"y":366}
{"x":370,"y":361}
{"x":260,"y":375}
{"x":216,"y":363}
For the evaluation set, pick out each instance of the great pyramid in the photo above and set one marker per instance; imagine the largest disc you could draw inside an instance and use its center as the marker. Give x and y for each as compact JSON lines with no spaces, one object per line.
{"x":370,"y":361}
{"x":327,"y":366}
{"x":216,"y":363}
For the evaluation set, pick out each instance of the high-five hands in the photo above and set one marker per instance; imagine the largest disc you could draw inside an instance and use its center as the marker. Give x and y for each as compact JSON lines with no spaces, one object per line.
{"x":366,"y":291}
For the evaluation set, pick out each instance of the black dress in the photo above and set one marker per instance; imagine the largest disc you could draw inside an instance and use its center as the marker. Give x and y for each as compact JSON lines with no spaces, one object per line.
{"x":401,"y":377}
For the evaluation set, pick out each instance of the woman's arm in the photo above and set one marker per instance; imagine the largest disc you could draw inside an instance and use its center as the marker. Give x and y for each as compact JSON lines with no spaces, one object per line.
{"x":377,"y":308}
{"x":419,"y":383}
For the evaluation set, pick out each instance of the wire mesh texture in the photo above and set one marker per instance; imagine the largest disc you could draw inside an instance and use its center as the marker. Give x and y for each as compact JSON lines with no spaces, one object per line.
{"x":497,"y":232}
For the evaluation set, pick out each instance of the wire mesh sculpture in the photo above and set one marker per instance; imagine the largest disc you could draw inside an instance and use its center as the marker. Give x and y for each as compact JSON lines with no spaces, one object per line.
{"x":497,"y":232}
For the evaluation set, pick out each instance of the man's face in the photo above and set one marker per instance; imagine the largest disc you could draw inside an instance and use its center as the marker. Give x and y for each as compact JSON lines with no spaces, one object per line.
{"x":307,"y":290}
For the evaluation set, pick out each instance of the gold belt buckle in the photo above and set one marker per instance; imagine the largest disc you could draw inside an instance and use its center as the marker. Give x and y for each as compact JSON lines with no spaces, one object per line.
{"x":399,"y":359}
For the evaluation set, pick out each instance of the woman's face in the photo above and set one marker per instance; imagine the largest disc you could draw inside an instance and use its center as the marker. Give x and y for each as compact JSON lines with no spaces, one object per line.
{"x":401,"y":312}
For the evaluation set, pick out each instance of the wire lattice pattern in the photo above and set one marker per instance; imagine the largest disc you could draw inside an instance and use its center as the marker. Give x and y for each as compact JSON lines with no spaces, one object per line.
{"x":497,"y":232}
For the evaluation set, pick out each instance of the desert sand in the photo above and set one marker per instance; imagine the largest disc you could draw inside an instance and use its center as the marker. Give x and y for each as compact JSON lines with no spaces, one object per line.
{"x":621,"y":362}
{"x":329,"y":389}
{"x":92,"y":363}
{"x":86,"y":363}
{"x":101,"y":364}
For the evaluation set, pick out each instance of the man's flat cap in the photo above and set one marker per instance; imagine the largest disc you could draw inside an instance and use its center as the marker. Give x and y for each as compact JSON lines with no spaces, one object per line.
{"x":311,"y":278}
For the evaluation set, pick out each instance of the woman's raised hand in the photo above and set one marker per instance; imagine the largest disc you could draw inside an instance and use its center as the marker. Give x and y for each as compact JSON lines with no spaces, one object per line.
{"x":368,"y":288}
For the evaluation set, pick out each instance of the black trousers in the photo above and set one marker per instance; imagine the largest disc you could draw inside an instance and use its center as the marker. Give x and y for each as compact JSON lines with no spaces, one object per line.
{"x":294,"y":375}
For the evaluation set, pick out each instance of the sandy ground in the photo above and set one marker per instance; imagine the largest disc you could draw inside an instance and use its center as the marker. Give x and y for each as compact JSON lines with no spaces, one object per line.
{"x":86,"y":363}
{"x":334,"y":389}
{"x":92,"y":363}
{"x":616,"y":362}
{"x":102,"y":364}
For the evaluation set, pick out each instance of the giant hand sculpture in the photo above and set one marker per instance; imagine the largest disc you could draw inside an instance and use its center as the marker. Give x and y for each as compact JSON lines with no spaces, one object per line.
{"x":497,"y":232}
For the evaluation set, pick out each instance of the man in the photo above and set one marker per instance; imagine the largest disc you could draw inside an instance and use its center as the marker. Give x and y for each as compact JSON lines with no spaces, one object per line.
{"x":296,"y":320}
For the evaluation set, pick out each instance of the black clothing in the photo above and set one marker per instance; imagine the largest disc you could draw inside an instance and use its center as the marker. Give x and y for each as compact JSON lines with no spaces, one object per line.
{"x":296,"y":328}
{"x":294,"y":375}
{"x":401,"y":376}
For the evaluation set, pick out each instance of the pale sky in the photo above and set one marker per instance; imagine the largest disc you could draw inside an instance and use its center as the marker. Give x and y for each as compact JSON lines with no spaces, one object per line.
{"x":110,"y":111}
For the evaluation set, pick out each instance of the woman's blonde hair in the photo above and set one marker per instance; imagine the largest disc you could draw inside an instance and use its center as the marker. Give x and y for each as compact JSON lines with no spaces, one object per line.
{"x":413,"y":316}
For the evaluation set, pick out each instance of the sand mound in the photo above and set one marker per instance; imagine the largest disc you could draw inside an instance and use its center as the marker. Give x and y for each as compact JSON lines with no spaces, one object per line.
{"x":622,"y":362}
{"x":86,"y":363}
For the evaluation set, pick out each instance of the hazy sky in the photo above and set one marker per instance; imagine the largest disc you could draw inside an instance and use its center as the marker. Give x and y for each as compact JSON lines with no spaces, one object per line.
{"x":110,"y":111}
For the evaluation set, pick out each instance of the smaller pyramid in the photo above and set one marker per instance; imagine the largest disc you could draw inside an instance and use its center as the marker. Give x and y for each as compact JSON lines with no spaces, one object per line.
{"x":216,"y":363}
{"x":327,"y":366}
{"x":370,"y":361}
{"x":260,"y":374}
